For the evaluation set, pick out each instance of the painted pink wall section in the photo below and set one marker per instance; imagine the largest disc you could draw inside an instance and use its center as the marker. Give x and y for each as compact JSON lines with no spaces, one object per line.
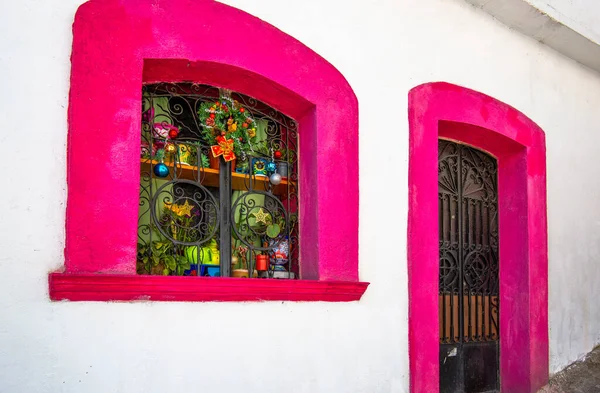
{"x":118,"y":45}
{"x":454,"y":112}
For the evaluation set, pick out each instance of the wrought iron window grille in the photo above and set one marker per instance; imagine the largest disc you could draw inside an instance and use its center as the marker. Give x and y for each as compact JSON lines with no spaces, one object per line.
{"x":201,"y":215}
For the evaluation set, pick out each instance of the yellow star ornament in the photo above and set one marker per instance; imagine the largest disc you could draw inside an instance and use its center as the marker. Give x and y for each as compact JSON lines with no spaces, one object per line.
{"x":180,"y":210}
{"x":261,"y":216}
{"x":185,"y":209}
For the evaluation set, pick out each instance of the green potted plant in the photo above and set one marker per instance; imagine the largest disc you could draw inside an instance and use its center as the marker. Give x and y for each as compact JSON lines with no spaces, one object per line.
{"x":160,"y":258}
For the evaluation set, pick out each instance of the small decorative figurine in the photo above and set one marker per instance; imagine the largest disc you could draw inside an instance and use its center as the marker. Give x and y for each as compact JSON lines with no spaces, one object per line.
{"x":279,"y":255}
{"x":259,"y":167}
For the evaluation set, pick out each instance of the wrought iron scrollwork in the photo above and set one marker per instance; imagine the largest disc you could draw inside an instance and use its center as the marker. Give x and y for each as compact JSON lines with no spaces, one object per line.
{"x":185,"y":212}
{"x":468,"y":245}
{"x":183,"y":209}
{"x":254,"y":220}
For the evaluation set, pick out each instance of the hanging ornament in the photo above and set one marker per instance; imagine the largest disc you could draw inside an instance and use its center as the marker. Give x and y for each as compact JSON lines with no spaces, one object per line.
{"x":173,"y":133}
{"x":275,"y":179}
{"x":171,"y":148}
{"x":161,"y":170}
{"x":277,"y":154}
{"x":271,"y":167}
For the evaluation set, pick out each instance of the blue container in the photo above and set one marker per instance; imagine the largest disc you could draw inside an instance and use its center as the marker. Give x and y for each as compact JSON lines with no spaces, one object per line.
{"x":205,"y":270}
{"x":210,"y":270}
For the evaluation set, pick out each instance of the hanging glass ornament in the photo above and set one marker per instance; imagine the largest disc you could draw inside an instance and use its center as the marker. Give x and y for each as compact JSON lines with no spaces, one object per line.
{"x":271,"y":167}
{"x":275,"y":179}
{"x":171,"y":148}
{"x":161,"y":170}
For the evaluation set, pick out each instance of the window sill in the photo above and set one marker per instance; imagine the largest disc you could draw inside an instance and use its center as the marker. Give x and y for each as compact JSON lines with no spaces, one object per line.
{"x":113,"y":287}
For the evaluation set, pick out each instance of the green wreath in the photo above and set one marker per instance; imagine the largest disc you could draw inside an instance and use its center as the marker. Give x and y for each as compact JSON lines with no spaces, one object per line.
{"x":227,"y":118}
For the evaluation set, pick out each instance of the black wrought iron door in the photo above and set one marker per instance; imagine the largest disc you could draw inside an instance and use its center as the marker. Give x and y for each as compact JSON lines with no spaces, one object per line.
{"x":468,"y":278}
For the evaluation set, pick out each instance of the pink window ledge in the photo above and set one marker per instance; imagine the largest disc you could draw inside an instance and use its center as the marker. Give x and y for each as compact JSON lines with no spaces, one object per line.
{"x":122,"y":287}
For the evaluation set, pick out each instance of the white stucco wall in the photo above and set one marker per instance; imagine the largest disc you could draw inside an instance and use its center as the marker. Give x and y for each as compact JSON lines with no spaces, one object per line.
{"x":583,"y":16}
{"x":384,"y":48}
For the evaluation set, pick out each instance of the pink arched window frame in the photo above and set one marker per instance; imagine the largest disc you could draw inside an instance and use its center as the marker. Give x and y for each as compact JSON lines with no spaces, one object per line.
{"x":118,"y":46}
{"x":442,"y":110}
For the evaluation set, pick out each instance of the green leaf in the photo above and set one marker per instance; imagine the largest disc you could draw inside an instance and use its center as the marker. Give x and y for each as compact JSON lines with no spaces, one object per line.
{"x":205,"y":161}
{"x":166,"y":272}
{"x":155,"y":260}
{"x":183,"y":262}
{"x":273,"y":230}
{"x":170,"y":262}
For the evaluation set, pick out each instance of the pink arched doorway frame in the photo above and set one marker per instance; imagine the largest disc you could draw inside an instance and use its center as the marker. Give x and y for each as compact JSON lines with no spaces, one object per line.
{"x":443,"y":110}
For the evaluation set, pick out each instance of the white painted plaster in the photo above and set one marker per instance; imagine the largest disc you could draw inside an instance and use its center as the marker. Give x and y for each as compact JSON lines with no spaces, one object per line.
{"x":384,"y":48}
{"x":582,"y":16}
{"x":569,"y":36}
